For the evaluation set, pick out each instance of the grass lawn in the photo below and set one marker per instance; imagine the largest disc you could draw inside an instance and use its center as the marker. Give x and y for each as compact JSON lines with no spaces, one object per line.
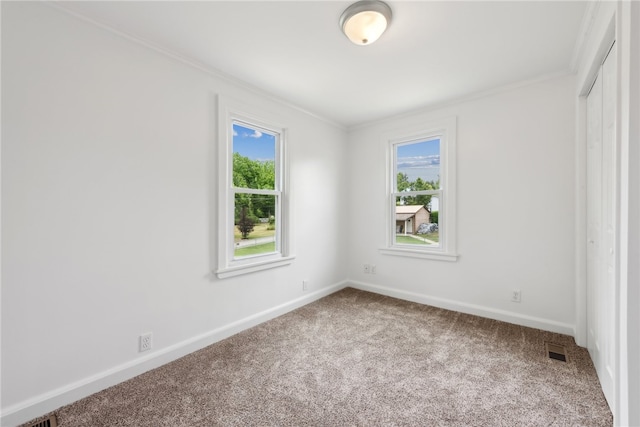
{"x":434,"y":237}
{"x":265,"y":248}
{"x":259,"y":230}
{"x":408,"y":240}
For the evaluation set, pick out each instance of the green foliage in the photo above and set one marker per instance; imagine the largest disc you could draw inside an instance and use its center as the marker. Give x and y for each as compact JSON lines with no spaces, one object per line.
{"x":434,"y":217}
{"x":254,"y":174}
{"x":245,"y":223}
{"x":403,"y":184}
{"x":272,"y":223}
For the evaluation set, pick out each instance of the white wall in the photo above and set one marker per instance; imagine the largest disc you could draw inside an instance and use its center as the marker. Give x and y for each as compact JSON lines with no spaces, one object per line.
{"x":515,"y":209}
{"x":108,"y":195}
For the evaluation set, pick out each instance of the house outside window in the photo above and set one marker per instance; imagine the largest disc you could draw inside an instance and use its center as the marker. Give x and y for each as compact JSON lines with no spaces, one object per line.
{"x":422,"y":192}
{"x":410,"y":217}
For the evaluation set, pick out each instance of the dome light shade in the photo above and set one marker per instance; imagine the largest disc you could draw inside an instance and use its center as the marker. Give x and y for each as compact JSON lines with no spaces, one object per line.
{"x":365,"y":21}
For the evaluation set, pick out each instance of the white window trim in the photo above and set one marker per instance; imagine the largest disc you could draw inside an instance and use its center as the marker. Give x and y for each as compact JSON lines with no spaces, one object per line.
{"x":445,"y":129}
{"x":228,"y":112}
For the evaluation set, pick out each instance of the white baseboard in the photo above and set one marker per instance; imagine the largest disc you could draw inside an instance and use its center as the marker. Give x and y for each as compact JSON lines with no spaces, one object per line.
{"x":50,"y":401}
{"x":490,"y":313}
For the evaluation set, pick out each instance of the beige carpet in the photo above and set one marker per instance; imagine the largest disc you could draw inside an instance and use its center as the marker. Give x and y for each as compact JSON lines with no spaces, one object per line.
{"x":357,"y":358}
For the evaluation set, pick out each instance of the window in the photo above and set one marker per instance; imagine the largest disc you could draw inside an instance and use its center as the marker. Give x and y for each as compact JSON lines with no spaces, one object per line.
{"x":252,"y":197}
{"x":421,"y":207}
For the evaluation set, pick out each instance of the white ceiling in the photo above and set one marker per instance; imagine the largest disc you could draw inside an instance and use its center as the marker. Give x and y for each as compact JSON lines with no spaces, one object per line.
{"x":433,"y":52}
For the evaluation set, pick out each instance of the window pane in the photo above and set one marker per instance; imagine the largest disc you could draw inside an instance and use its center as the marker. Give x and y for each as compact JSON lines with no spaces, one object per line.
{"x":417,"y":220}
{"x":254,"y":155}
{"x":418,"y":166}
{"x":255,"y":225}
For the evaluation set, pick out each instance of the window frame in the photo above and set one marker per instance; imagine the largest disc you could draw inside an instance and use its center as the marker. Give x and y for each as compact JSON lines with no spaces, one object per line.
{"x":232,"y":112}
{"x":445,"y":131}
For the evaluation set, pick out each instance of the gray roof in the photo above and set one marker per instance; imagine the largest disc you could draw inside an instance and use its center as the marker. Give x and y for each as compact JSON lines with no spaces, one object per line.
{"x":408,"y":209}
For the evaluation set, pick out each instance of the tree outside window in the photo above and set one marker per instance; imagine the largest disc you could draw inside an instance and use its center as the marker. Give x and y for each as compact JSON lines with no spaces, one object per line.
{"x":256,"y":190}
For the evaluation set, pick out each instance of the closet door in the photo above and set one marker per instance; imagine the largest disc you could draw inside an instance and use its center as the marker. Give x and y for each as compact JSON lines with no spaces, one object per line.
{"x":602,"y":224}
{"x":594,"y":222}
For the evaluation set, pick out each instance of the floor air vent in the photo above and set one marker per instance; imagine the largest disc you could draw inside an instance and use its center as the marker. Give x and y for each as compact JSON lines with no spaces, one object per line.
{"x":556,"y":352}
{"x":48,"y":422}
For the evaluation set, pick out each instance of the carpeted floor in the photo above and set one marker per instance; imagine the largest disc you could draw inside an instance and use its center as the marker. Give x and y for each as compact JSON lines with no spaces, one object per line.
{"x":357,"y":358}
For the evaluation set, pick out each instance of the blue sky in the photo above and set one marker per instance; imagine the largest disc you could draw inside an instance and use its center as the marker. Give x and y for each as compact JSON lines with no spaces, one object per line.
{"x":420,"y":159}
{"x":253,"y":144}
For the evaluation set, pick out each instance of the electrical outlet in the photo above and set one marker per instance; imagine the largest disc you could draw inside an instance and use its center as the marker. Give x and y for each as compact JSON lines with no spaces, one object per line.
{"x":145,"y":342}
{"x":367,"y":269}
{"x":305,"y":285}
{"x":516,"y":295}
{"x":373,"y":269}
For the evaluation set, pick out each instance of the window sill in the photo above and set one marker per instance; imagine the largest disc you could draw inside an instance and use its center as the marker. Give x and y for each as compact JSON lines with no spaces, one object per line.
{"x":237,"y":270}
{"x":416,"y":253}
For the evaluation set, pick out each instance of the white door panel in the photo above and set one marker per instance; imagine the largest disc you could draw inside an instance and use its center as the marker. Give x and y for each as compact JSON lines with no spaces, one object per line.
{"x":601,"y":224}
{"x":609,"y":172}
{"x":594,"y":216}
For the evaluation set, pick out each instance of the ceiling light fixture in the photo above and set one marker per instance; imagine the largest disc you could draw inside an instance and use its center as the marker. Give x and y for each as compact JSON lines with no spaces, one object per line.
{"x":365,"y":21}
